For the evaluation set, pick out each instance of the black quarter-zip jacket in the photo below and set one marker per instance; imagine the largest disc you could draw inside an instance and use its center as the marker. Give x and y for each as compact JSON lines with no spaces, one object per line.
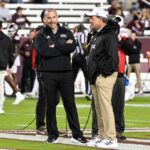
{"x":103,"y":58}
{"x":55,"y":59}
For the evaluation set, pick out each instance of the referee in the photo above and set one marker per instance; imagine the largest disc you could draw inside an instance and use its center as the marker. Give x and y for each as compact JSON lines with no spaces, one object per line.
{"x":79,"y":58}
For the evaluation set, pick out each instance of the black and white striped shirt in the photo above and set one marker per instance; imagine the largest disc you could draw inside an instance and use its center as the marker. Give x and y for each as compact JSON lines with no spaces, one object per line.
{"x":81,"y":38}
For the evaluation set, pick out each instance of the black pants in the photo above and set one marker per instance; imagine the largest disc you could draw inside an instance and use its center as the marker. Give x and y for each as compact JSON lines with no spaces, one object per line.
{"x":62,"y":82}
{"x":79,"y":62}
{"x":118,"y":104}
{"x":28,"y":77}
{"x":41,"y":103}
{"x":94,"y":120}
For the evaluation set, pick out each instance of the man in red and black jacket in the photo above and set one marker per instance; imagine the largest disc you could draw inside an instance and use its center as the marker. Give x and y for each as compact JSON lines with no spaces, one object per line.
{"x":119,"y":93}
{"x":125,"y":48}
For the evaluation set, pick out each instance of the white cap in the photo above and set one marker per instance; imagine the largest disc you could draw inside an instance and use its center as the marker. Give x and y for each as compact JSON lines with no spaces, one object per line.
{"x":97,"y":11}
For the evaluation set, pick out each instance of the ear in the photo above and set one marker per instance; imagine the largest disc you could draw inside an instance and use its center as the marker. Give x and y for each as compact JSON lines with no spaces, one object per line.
{"x":44,"y":19}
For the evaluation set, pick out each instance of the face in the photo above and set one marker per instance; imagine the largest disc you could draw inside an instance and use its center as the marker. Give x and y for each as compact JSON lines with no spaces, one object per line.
{"x":95,"y":22}
{"x":133,"y":36}
{"x":51,"y":19}
{"x":32,"y":34}
{"x":118,"y":12}
{"x":20,"y":12}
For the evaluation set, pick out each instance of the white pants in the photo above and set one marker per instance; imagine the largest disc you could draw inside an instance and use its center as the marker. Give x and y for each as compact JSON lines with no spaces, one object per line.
{"x":2,"y":77}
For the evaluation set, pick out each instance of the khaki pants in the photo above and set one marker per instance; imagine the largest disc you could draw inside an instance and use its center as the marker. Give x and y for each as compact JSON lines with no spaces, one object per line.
{"x":2,"y":77}
{"x":102,"y":92}
{"x":137,"y":69}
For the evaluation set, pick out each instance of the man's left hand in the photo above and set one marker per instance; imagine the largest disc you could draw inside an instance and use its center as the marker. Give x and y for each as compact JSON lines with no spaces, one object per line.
{"x":69,"y":41}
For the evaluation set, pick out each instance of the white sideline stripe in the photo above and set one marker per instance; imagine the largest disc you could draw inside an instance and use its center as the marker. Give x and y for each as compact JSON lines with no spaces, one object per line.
{"x":122,"y":146}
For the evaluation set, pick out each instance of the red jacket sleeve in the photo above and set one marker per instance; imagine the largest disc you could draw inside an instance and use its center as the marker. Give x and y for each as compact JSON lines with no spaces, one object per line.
{"x":33,"y":58}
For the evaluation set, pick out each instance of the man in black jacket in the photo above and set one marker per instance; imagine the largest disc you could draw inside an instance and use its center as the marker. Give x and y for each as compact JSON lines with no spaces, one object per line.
{"x":54,"y":44}
{"x":6,"y":61}
{"x":102,"y":69}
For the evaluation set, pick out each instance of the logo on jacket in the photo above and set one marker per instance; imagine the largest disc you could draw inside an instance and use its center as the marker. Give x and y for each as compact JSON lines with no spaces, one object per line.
{"x":48,"y":37}
{"x":93,"y":47}
{"x":63,"y":35}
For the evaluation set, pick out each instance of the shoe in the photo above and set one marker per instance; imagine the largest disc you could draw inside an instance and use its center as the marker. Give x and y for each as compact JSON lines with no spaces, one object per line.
{"x":107,"y":144}
{"x":52,"y":140}
{"x":19,"y":98}
{"x":93,"y":142}
{"x":11,"y":96}
{"x":120,"y":136}
{"x":94,"y":135}
{"x":62,"y":133}
{"x":2,"y":111}
{"x":31,"y":94}
{"x":140,"y":93}
{"x":79,"y":140}
{"x":89,"y":96}
{"x":41,"y":130}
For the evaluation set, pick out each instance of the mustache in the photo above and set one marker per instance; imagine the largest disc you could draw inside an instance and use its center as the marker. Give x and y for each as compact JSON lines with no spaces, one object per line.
{"x":52,"y":22}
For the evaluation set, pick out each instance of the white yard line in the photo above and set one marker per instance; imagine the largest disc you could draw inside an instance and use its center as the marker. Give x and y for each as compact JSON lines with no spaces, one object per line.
{"x":58,"y":116}
{"x":138,"y":121}
{"x":88,"y":105}
{"x":138,"y":105}
{"x":20,"y":114}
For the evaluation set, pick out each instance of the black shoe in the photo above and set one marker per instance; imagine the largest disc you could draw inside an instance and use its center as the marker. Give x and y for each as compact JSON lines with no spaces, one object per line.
{"x":41,"y":130}
{"x":89,"y":97}
{"x":81,"y":139}
{"x":120,"y":136}
{"x":52,"y":140}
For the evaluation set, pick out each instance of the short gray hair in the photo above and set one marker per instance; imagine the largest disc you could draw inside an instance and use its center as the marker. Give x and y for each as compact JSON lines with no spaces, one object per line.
{"x":49,"y":10}
{"x":105,"y":20}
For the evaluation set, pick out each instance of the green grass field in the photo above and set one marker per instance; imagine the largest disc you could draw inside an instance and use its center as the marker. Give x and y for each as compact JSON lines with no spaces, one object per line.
{"x":19,"y":116}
